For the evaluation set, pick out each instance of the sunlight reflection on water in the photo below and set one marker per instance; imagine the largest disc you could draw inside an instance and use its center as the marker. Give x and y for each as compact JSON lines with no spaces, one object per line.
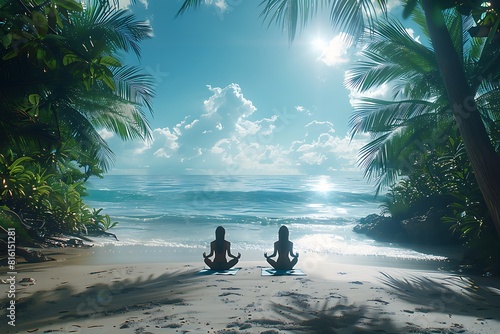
{"x":183,"y":211}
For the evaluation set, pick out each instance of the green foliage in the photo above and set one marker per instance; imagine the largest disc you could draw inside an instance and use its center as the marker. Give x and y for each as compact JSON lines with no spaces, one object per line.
{"x":29,"y":190}
{"x":415,"y":149}
{"x":435,"y":177}
{"x":61,"y":82}
{"x":9,"y":219}
{"x":61,"y":78}
{"x":103,"y":221}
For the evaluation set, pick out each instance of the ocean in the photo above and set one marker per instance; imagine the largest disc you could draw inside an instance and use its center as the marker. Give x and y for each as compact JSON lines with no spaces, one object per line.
{"x":183,"y":211}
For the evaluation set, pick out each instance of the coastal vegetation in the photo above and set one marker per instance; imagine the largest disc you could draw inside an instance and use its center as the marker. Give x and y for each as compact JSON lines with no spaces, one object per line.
{"x":416,"y":149}
{"x":63,"y":83}
{"x":435,"y":144}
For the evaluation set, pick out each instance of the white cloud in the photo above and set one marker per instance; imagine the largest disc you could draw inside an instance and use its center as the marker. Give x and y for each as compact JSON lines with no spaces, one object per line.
{"x":227,"y":137}
{"x":336,"y":51}
{"x":124,"y":3}
{"x":168,"y":141}
{"x":313,"y":158}
{"x":190,"y":125}
{"x":304,"y":110}
{"x":318,"y":127}
{"x":163,"y":144}
{"x":247,"y":128}
{"x":221,"y":98}
{"x":105,"y":134}
{"x":222,"y":6}
{"x":393,"y":5}
{"x":221,"y":146}
{"x":348,"y":149}
{"x":382,"y":92}
{"x":327,"y":151}
{"x":411,"y":32}
{"x":127,"y":3}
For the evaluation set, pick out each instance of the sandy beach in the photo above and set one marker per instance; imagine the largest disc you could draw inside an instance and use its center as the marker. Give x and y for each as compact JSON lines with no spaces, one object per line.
{"x":76,"y":294}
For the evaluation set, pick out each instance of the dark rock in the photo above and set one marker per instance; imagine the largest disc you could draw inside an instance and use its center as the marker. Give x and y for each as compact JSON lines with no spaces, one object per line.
{"x":27,"y":254}
{"x":427,"y":229}
{"x":381,"y":228}
{"x":33,"y":256}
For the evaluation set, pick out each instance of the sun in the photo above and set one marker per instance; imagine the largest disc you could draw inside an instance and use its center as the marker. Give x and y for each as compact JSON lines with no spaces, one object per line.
{"x":319,"y":44}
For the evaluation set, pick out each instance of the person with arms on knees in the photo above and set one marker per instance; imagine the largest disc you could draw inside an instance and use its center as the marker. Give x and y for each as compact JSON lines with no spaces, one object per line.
{"x":283,"y":247}
{"x":220,"y":247}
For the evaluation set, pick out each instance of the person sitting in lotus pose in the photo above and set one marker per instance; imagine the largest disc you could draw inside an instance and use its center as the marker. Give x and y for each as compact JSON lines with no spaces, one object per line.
{"x":283,"y":247}
{"x":220,"y":247}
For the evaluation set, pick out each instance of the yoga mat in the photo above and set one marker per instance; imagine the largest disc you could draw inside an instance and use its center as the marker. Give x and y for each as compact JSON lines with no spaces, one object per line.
{"x":206,"y":271}
{"x":274,"y":272}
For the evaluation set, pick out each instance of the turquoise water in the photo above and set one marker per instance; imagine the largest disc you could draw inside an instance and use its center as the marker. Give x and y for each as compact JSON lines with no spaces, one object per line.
{"x":183,"y":212}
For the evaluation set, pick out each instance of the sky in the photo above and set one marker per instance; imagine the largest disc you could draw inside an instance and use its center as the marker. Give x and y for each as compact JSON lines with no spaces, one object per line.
{"x":235,"y":97}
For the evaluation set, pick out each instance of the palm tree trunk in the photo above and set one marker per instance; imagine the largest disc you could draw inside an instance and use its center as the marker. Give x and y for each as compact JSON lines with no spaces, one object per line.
{"x":484,"y":160}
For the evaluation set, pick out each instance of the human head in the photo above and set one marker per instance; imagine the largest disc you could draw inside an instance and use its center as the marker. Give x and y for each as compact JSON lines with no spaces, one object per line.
{"x":283,"y":233}
{"x":220,"y":232}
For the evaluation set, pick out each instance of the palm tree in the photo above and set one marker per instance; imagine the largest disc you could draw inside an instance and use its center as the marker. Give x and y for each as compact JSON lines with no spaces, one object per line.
{"x":416,"y":119}
{"x":293,"y":14}
{"x":352,"y":15}
{"x":61,"y":82}
{"x":413,"y":134}
{"x":460,"y":91}
{"x":74,"y":85}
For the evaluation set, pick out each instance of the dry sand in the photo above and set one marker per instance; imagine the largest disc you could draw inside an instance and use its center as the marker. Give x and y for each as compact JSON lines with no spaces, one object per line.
{"x":75,"y":295}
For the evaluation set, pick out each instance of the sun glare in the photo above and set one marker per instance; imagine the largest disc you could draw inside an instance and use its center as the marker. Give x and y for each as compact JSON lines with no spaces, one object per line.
{"x":322,"y":185}
{"x":319,"y":44}
{"x":333,"y":51}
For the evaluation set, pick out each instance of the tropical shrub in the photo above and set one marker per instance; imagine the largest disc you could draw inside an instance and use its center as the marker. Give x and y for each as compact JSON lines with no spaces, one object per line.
{"x":416,"y":150}
{"x":61,"y":83}
{"x":53,"y":204}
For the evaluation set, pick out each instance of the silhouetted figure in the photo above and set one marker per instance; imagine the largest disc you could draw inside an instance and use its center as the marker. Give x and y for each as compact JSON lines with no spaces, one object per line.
{"x":220,"y":247}
{"x":283,"y":247}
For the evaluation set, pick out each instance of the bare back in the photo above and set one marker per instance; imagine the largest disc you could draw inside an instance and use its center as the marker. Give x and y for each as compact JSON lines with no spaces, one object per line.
{"x":283,"y":249}
{"x":220,"y":254}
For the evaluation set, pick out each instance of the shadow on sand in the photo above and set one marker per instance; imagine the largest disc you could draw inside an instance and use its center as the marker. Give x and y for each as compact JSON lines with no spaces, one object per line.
{"x":450,"y":296}
{"x":63,"y":307}
{"x":331,"y":317}
{"x":478,"y":297}
{"x":68,"y":304}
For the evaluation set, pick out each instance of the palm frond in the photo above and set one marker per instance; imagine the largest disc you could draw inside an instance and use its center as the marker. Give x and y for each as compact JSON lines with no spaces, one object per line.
{"x":79,"y":127}
{"x":135,"y":86}
{"x":489,"y":105}
{"x":393,"y":153}
{"x":378,"y":153}
{"x":487,"y":67}
{"x":347,"y":15}
{"x":188,"y":4}
{"x":418,"y":17}
{"x":290,"y":14}
{"x":353,"y":16}
{"x":454,"y":22}
{"x":391,"y":56}
{"x":110,"y":28}
{"x":409,"y":7}
{"x":375,"y":115}
{"x":103,"y":109}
